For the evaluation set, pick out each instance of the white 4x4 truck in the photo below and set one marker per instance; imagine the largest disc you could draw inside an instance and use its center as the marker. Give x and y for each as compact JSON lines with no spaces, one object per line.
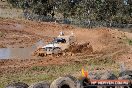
{"x":59,"y":44}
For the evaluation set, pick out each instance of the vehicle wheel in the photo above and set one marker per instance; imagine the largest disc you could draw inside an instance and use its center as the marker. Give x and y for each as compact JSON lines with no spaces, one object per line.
{"x":17,"y":85}
{"x":57,"y":51}
{"x":43,"y":84}
{"x":65,"y":82}
{"x":40,"y":52}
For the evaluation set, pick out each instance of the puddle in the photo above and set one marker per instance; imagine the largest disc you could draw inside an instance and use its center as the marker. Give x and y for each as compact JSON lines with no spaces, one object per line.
{"x":22,"y":53}
{"x":9,"y":53}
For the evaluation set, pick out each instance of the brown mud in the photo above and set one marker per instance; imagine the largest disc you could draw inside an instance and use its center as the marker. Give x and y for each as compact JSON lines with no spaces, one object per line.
{"x":105,"y":42}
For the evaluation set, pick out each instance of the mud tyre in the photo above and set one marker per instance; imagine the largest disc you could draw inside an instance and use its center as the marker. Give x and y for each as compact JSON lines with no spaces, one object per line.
{"x":42,"y":54}
{"x":57,"y":51}
{"x":65,"y":82}
{"x":42,"y":84}
{"x":17,"y":85}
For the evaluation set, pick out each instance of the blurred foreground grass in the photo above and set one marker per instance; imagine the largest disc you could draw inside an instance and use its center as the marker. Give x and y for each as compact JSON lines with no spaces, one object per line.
{"x":51,"y":72}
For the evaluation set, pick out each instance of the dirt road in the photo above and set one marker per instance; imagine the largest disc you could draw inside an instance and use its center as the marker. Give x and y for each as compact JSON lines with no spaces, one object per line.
{"x":106,"y":43}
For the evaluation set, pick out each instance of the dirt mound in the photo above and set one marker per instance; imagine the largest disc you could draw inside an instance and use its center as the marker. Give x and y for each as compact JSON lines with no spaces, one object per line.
{"x":80,"y":48}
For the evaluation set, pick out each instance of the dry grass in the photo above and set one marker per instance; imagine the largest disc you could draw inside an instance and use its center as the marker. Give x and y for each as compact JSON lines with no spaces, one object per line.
{"x":51,"y":72}
{"x":7,"y":11}
{"x":10,"y":13}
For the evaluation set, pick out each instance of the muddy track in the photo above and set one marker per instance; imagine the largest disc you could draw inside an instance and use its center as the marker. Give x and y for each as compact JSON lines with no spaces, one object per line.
{"x":105,"y":42}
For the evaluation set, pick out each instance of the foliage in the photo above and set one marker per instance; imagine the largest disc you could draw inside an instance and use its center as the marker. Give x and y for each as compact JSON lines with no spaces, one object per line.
{"x":99,"y":10}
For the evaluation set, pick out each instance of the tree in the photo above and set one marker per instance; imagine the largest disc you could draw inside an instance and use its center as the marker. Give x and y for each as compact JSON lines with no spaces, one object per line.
{"x":98,"y":10}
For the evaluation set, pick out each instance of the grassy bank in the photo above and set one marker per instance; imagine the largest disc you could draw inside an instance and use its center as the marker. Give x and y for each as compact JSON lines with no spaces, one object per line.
{"x":51,"y":72}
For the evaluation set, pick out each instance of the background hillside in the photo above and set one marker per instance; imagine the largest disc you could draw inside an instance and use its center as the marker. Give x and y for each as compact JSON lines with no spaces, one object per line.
{"x":119,"y":11}
{"x":82,"y":13}
{"x":25,"y":23}
{"x":7,"y":11}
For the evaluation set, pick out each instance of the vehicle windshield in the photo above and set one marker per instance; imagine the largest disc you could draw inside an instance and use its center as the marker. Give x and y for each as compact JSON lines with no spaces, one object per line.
{"x":58,"y":40}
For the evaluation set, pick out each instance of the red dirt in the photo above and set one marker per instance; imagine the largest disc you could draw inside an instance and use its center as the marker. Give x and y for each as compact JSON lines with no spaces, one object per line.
{"x":21,"y":33}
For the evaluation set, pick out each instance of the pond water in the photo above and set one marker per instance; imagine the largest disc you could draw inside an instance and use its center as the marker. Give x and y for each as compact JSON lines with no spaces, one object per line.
{"x":9,"y":53}
{"x":23,"y":53}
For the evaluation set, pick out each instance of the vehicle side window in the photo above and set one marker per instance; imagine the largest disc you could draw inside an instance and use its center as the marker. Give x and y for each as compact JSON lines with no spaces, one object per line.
{"x":61,"y":40}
